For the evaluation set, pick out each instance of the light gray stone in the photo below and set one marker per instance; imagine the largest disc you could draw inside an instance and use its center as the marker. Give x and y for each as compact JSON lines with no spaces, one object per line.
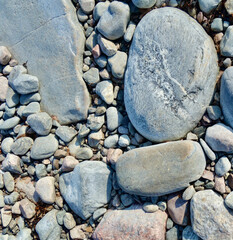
{"x":99,"y":9}
{"x":92,"y":76}
{"x":6,"y":217}
{"x":217,"y":25}
{"x":220,"y":138}
{"x":144,"y":3}
{"x":24,"y":234}
{"x":209,"y":153}
{"x":48,"y":228}
{"x":33,"y":97}
{"x":84,"y":153}
{"x":114,"y":118}
{"x":208,"y":5}
{"x":114,"y":20}
{"x":41,"y":123}
{"x":172,"y":234}
{"x":4,"y":88}
{"x":160,"y":103}
{"x":66,"y":133}
{"x":91,"y":41}
{"x":12,"y":98}
{"x":104,"y":89}
{"x":226,"y":46}
{"x":98,"y":213}
{"x":5,"y":55}
{"x":11,"y":199}
{"x":44,"y":147}
{"x":87,"y":188}
{"x":87,"y":5}
{"x":129,"y":32}
{"x":6,"y":144}
{"x":62,"y":89}
{"x":107,"y":47}
{"x":160,"y":169}
{"x":40,"y":170}
{"x":22,"y":145}
{"x":12,"y":164}
{"x":222,"y":166}
{"x":210,"y":218}
{"x":31,"y":108}
{"x":69,"y":221}
{"x":94,"y":138}
{"x":111,"y":141}
{"x":8,"y":182}
{"x":188,"y":193}
{"x":124,"y":141}
{"x":95,"y":122}
{"x":229,"y":200}
{"x":9,"y":123}
{"x":226,"y":95}
{"x":229,"y":6}
{"x":188,"y":234}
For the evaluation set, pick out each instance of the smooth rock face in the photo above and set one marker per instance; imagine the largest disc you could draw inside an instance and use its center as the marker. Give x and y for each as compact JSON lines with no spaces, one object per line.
{"x":226,"y":95}
{"x":208,"y":5}
{"x":160,"y":169}
{"x":210,"y":218}
{"x":160,"y":103}
{"x":4,"y":88}
{"x":144,"y":3}
{"x":132,"y":223}
{"x":226,"y":43}
{"x":87,"y":188}
{"x":64,"y":93}
{"x":21,"y":145}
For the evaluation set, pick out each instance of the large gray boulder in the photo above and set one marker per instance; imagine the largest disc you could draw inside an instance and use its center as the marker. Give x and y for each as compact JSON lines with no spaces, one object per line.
{"x":210,"y":218}
{"x":52,"y":45}
{"x":87,"y":188}
{"x":160,"y":169}
{"x":171,"y":73}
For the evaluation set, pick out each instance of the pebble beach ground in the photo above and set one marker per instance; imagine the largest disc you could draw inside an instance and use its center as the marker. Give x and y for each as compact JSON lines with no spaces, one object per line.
{"x":116,"y":120}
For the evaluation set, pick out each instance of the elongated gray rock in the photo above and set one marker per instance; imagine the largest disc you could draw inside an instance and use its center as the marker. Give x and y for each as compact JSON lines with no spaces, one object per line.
{"x":210,"y":218}
{"x":171,"y":73}
{"x":160,"y":169}
{"x":52,"y":44}
{"x":87,"y":188}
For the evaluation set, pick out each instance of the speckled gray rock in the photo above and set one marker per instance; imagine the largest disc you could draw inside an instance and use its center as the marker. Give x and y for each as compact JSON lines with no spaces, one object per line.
{"x":64,"y":93}
{"x":48,"y":228}
{"x":188,"y":234}
{"x":22,"y":145}
{"x":144,"y":171}
{"x":220,"y":138}
{"x":104,"y":89}
{"x":12,"y":164}
{"x":226,"y":46}
{"x":6,"y":144}
{"x":66,"y":133}
{"x":226,"y":95}
{"x":144,"y":3}
{"x":92,"y":76}
{"x":222,"y":166}
{"x":44,"y":147}
{"x":95,"y":122}
{"x":107,"y":47}
{"x":41,"y":123}
{"x":229,"y":200}
{"x":87,"y":188}
{"x":114,"y":118}
{"x":210,"y":218}
{"x":5,"y":55}
{"x":168,"y":106}
{"x":114,"y":20}
{"x":208,"y":5}
{"x":8,"y":182}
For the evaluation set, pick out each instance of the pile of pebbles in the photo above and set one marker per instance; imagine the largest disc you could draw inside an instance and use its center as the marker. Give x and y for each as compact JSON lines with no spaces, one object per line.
{"x":59,"y":182}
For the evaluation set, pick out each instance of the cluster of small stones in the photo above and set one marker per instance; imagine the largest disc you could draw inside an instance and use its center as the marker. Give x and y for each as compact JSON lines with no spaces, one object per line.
{"x":60,"y":182}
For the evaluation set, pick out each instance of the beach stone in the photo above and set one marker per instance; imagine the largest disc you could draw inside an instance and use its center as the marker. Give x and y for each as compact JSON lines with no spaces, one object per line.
{"x":189,"y":192}
{"x":28,"y":98}
{"x":144,"y":3}
{"x":66,"y":133}
{"x":31,"y":108}
{"x":69,"y":221}
{"x":188,"y":234}
{"x":94,"y":138}
{"x":6,"y":144}
{"x":87,"y":5}
{"x":114,"y":118}
{"x":8,"y":182}
{"x":220,"y":138}
{"x":92,"y":76}
{"x":24,"y":234}
{"x":130,"y":32}
{"x":99,"y":9}
{"x":5,"y":55}
{"x":124,"y":141}
{"x":210,"y":218}
{"x":149,"y":207}
{"x":65,"y":94}
{"x":229,"y":200}
{"x":44,"y":147}
{"x":12,"y":98}
{"x":9,"y":123}
{"x":172,"y":234}
{"x":4,"y":88}
{"x":111,"y":141}
{"x":104,"y":89}
{"x":27,"y":208}
{"x":11,"y":199}
{"x":46,"y":190}
{"x":226,"y":95}
{"x":112,"y":24}
{"x":107,"y":47}
{"x":12,"y":164}
{"x":229,"y":6}
{"x":132,"y":223}
{"x":69,"y":163}
{"x":144,"y":171}
{"x":48,"y":228}
{"x":167,"y":107}
{"x":214,"y":112}
{"x":208,"y":5}
{"x":222,"y":166}
{"x":22,"y":145}
{"x":209,"y":153}
{"x":87,"y":188}
{"x":226,"y":47}
{"x":6,"y":217}
{"x":84,"y":153}
{"x":95,"y":122}
{"x":219,"y":185}
{"x":178,"y":209}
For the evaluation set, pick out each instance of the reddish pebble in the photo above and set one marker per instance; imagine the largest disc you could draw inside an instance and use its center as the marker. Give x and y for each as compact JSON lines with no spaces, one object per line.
{"x":208,"y":175}
{"x":96,"y":51}
{"x":220,"y":184}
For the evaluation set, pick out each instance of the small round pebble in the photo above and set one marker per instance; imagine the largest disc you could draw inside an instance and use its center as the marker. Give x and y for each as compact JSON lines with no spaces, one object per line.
{"x":188,"y":193}
{"x":150,"y":208}
{"x":222,"y":166}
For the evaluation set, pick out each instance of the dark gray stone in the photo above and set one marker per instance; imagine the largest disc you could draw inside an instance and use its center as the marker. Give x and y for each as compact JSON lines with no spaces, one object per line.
{"x":87,"y":188}
{"x":160,"y":103}
{"x":160,"y":169}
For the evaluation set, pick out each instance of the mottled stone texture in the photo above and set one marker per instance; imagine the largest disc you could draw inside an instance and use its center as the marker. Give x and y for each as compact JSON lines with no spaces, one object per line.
{"x":171,"y":73}
{"x":52,"y":44}
{"x":132,"y":223}
{"x":160,"y":169}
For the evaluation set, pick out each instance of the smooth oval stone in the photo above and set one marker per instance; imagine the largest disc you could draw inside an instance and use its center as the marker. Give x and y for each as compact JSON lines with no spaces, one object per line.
{"x":160,"y":169}
{"x":171,"y":73}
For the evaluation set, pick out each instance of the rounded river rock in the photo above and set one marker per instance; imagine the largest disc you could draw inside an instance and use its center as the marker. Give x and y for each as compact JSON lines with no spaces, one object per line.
{"x":160,"y":169}
{"x":171,"y":74}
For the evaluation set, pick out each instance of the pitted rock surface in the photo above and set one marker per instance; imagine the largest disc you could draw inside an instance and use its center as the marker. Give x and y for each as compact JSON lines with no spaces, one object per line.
{"x":171,"y":74}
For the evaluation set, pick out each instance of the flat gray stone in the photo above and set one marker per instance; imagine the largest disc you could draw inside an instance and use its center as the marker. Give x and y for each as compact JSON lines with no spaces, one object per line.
{"x":220,"y":138}
{"x":48,"y":228}
{"x":9,"y":123}
{"x":160,"y":103}
{"x":87,"y":188}
{"x":229,"y":200}
{"x":226,"y":46}
{"x":113,"y":22}
{"x":12,"y":164}
{"x":31,"y":108}
{"x":44,"y":147}
{"x":12,"y":97}
{"x":27,"y":98}
{"x":144,"y":3}
{"x":104,"y":89}
{"x":222,"y":166}
{"x":63,"y":92}
{"x":226,"y":95}
{"x":41,"y":123}
{"x":6,"y":144}
{"x":22,"y":145}
{"x":4,"y":88}
{"x":66,"y":133}
{"x":114,"y":118}
{"x":210,"y":218}
{"x":160,"y":169}
{"x":208,"y":5}
{"x":92,"y":76}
